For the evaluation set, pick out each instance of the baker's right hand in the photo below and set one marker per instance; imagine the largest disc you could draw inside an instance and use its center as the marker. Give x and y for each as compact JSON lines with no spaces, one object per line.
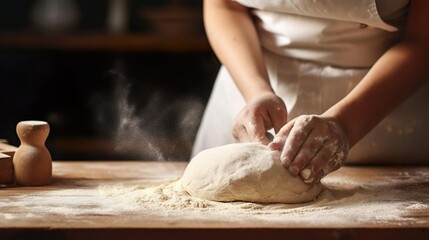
{"x":262,"y":113}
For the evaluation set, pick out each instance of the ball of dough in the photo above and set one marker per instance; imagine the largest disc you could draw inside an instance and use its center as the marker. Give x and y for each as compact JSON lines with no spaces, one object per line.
{"x":248,"y":172}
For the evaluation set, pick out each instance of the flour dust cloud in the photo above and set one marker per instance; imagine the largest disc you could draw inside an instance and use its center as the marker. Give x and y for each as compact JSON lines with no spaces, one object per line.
{"x":147,"y":123}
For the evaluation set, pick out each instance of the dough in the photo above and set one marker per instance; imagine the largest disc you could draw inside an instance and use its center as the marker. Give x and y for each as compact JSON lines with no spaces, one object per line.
{"x":248,"y":172}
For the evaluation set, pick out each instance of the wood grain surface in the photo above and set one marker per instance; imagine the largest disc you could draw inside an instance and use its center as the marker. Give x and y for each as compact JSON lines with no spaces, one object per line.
{"x":37,"y":217}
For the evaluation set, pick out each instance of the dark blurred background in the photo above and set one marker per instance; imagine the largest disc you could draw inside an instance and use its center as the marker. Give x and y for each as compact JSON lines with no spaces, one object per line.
{"x":115,"y":79}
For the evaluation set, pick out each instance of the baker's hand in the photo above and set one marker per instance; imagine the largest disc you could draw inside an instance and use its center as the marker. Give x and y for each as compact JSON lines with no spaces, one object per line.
{"x":260,"y":114}
{"x":311,"y":146}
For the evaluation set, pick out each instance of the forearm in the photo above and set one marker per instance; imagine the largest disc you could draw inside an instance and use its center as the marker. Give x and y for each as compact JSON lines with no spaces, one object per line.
{"x":399,"y":73}
{"x":234,"y":39}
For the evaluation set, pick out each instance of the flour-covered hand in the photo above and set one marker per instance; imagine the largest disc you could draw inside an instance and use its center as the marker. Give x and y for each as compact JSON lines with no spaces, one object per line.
{"x":262,"y":113}
{"x":311,"y":146}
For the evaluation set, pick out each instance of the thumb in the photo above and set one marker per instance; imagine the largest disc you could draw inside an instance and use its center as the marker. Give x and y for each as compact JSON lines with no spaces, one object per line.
{"x":278,"y":118}
{"x":256,"y":130}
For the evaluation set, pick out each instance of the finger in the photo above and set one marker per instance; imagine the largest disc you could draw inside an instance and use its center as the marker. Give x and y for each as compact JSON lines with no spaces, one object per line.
{"x":319,"y":160}
{"x":294,"y":141}
{"x":335,"y":161}
{"x":308,"y":150}
{"x":330,"y":167}
{"x":256,"y":130}
{"x":329,"y":159}
{"x":280,"y":138}
{"x":317,"y":176}
{"x":279,"y":117}
{"x":240,"y":134}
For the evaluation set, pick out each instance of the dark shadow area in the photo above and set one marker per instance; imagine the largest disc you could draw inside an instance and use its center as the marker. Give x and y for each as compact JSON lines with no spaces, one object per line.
{"x":108,"y":106}
{"x":113,"y":80}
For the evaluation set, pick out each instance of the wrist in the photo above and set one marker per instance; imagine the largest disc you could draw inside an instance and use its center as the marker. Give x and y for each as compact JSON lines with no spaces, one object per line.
{"x":257,"y":90}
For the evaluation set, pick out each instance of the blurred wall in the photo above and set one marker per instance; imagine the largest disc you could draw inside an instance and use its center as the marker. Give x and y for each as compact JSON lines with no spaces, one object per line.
{"x":116,"y":79}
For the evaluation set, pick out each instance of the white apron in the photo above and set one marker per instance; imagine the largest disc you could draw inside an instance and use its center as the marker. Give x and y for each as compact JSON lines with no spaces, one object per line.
{"x":315,"y":53}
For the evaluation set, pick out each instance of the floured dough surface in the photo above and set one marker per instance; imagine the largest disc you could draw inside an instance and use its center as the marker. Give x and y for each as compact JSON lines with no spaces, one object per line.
{"x":248,"y":172}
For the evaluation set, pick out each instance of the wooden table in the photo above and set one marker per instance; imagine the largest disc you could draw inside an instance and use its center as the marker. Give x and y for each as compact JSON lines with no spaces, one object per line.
{"x":25,"y":212}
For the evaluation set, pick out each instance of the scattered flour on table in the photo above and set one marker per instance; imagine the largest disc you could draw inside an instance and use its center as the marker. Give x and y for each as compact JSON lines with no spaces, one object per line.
{"x":397,"y":199}
{"x":340,"y":202}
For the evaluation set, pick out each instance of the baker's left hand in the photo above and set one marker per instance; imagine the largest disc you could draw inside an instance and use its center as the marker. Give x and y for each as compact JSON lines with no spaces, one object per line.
{"x":311,"y":146}
{"x":259,"y":115}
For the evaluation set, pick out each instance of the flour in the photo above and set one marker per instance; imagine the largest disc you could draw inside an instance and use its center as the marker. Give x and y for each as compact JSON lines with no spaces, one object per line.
{"x":341,"y":202}
{"x":389,"y":198}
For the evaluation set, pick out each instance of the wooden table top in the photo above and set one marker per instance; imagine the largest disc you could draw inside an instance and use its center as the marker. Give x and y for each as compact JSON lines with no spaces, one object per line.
{"x":56,"y":210}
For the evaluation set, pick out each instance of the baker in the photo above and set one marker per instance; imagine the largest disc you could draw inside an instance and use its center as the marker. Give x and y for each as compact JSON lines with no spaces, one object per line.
{"x":330,"y":79}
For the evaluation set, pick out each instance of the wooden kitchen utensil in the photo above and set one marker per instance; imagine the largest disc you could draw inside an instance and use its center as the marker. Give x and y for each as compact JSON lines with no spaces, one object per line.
{"x":6,"y":167}
{"x":6,"y":173}
{"x":32,"y":161}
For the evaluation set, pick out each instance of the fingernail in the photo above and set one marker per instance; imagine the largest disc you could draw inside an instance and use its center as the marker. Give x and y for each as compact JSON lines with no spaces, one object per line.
{"x":306,"y":173}
{"x":309,"y":180}
{"x":294,"y":170}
